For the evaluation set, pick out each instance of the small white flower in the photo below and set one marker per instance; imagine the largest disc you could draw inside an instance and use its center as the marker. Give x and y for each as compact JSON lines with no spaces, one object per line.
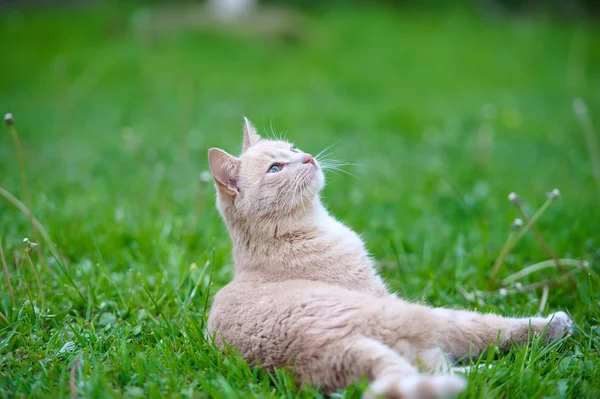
{"x":517,"y":224}
{"x":554,"y":194}
{"x":518,"y":286}
{"x":68,"y":347}
{"x":29,"y":243}
{"x":503,"y":292}
{"x":513,"y":197}
{"x":9,"y":119}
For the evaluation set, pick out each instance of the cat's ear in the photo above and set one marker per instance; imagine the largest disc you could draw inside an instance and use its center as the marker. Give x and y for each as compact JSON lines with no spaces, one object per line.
{"x":225,"y":169}
{"x":251,"y":137}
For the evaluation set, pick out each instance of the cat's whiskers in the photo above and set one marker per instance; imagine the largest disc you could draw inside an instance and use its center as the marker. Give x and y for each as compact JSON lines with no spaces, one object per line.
{"x":324,"y":156}
{"x":328,"y":161}
{"x":311,"y":196}
{"x":323,"y":152}
{"x":328,"y":166}
{"x":336,"y":166}
{"x":293,"y":187}
{"x":302,"y":194}
{"x":302,"y":199}
{"x":297,"y":186}
{"x":273,"y":134}
{"x":302,"y":187}
{"x":309,"y":193}
{"x":335,"y":170}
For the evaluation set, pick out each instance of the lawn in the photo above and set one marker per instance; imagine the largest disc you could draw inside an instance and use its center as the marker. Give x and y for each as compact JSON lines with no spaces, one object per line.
{"x":442,"y":113}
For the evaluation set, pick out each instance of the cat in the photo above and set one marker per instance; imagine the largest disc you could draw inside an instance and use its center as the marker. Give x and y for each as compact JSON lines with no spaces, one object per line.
{"x":306,"y":294}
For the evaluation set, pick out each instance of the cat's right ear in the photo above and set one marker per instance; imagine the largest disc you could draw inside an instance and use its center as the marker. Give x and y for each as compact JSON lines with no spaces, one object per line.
{"x":225,"y":170}
{"x":251,"y":137}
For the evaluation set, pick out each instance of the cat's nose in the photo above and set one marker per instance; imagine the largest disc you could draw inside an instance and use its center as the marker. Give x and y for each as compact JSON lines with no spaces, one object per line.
{"x":309,"y":159}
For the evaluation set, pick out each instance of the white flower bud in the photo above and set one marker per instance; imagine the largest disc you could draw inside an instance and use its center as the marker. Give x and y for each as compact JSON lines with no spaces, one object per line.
{"x":554,"y":194}
{"x":517,"y":224}
{"x":9,"y":119}
{"x":29,"y":243}
{"x":513,"y":197}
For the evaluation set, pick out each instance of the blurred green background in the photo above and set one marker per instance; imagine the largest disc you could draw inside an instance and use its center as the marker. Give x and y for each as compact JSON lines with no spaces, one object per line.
{"x":444,"y":107}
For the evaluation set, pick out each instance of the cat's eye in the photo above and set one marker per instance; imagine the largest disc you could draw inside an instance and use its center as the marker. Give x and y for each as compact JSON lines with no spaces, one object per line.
{"x":274,"y":168}
{"x":293,"y":149}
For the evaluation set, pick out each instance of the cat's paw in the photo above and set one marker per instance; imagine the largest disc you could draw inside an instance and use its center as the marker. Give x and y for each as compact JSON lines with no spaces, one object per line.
{"x":559,"y":325}
{"x":417,"y":387}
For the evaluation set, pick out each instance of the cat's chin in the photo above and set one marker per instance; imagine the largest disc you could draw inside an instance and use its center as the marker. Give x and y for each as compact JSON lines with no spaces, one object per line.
{"x":317,"y":179}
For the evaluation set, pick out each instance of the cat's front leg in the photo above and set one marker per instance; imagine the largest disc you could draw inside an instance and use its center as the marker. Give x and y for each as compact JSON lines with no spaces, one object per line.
{"x":463,"y":333}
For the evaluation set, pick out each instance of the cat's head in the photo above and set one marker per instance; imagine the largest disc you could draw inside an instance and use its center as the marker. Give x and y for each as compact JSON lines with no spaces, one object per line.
{"x":271,"y":179}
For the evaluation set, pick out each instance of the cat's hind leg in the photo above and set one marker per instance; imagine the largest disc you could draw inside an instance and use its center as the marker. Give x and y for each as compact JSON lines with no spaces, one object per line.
{"x":442,"y":385}
{"x":391,"y":375}
{"x":432,"y":360}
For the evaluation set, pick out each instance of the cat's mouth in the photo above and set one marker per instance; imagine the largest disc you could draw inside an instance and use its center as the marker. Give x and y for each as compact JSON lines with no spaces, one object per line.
{"x":312,"y":167}
{"x":313,"y":174}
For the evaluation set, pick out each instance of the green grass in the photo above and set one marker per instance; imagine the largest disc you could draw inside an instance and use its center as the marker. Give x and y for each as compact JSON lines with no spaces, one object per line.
{"x":444,"y":115}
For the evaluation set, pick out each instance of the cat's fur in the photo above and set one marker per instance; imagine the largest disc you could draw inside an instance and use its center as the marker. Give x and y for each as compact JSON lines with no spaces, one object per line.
{"x":306,"y":295}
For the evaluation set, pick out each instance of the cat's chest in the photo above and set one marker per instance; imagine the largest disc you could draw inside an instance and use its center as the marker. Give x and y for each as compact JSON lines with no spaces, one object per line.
{"x":331,"y":226}
{"x":339,"y":236}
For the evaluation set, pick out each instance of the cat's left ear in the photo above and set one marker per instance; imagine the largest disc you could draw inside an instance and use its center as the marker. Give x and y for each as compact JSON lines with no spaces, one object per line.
{"x":225,"y":169}
{"x":251,"y":137}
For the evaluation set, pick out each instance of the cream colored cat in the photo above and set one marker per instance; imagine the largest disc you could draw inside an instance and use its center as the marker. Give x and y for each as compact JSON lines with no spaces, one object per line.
{"x":305,"y":293}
